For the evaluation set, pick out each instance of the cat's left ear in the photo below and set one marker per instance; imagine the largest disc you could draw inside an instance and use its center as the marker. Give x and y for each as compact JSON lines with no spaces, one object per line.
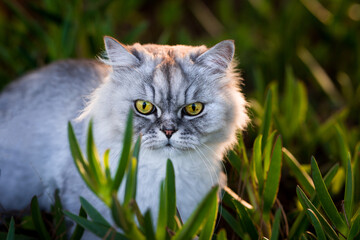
{"x":118,"y":54}
{"x":219,"y":56}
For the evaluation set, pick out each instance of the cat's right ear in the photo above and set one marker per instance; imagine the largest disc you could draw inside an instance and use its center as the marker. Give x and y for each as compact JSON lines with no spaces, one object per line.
{"x":118,"y":55}
{"x":219,"y":56}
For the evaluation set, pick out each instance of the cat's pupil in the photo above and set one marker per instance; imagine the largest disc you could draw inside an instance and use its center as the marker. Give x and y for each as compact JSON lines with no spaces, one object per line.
{"x":144,"y":105}
{"x":193,"y":106}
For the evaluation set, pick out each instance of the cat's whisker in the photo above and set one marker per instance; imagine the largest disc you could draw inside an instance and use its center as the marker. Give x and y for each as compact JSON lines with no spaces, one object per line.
{"x":205,"y":161}
{"x":223,"y":193}
{"x":218,"y":181}
{"x":222,"y":163}
{"x":212,"y":166}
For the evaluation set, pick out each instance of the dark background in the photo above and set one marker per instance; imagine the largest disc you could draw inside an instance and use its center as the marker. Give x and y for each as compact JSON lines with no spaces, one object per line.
{"x":314,"y":44}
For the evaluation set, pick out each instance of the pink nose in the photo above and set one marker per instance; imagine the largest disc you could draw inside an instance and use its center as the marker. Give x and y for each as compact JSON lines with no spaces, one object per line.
{"x":168,"y":132}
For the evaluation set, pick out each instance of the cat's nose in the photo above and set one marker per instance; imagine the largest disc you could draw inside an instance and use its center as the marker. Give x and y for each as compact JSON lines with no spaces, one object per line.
{"x":169,"y":132}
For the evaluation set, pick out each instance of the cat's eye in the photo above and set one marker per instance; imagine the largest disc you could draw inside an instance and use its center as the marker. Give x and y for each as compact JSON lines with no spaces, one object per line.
{"x":193,"y":109}
{"x":144,"y":107}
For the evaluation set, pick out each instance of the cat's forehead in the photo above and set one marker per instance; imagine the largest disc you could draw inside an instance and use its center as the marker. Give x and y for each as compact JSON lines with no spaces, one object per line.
{"x":172,"y":77}
{"x":166,"y":52}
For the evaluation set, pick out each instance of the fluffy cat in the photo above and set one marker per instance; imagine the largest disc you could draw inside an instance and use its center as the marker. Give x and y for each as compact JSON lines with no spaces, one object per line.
{"x":187,"y":106}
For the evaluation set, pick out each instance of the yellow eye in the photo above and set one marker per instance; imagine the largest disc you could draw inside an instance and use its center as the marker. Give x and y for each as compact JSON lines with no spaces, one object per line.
{"x":144,"y":107}
{"x":194,"y":109}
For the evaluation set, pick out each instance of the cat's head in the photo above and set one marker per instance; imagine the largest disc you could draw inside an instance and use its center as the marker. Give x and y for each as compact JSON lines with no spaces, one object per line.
{"x":183,"y":97}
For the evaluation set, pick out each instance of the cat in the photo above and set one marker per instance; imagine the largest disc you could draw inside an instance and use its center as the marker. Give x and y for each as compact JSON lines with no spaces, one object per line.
{"x":187,"y":106}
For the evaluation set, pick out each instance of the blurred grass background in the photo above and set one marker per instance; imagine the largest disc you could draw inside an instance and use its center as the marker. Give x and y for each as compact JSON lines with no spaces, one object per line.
{"x":306,"y":51}
{"x":319,"y":41}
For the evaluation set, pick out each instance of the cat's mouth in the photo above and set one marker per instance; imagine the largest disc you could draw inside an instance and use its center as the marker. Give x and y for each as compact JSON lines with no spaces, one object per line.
{"x":169,"y":144}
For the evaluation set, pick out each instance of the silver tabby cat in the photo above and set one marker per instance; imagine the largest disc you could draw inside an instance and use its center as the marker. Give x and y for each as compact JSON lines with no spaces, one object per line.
{"x":187,"y":107}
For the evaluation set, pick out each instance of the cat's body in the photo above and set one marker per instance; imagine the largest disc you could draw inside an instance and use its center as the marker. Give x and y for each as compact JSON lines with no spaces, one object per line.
{"x":34,"y":111}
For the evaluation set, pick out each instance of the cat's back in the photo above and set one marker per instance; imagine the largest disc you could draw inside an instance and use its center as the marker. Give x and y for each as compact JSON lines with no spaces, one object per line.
{"x":38,"y":105}
{"x":34,"y":111}
{"x":59,"y":81}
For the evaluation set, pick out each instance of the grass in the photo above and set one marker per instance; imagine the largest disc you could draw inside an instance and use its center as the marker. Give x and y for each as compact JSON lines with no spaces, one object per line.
{"x":300,"y":64}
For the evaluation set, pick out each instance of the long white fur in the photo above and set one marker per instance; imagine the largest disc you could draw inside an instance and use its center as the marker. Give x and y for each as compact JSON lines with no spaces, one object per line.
{"x":34,"y":154}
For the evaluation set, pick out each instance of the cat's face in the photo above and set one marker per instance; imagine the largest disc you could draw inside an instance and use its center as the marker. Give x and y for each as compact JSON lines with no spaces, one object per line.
{"x":183,"y":98}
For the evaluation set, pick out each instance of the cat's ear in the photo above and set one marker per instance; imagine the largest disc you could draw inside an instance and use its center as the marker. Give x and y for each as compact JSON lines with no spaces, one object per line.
{"x":219,"y":56}
{"x":118,"y":55}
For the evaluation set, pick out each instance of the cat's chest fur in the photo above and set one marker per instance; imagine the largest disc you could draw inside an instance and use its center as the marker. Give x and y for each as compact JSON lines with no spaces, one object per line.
{"x":193,"y":179}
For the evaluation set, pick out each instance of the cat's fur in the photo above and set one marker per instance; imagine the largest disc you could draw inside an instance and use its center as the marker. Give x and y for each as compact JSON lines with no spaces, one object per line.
{"x":34,"y":111}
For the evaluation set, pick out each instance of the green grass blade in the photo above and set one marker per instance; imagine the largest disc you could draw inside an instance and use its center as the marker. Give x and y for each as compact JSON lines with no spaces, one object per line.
{"x":221,"y":235}
{"x":301,"y":176}
{"x":208,"y":230}
{"x":232,"y":222}
{"x":257,"y":158}
{"x":242,"y":150}
{"x":349,"y":190}
{"x":273,"y":178}
{"x":148,"y":226}
{"x":245,"y":220}
{"x":79,"y":230}
{"x":275,"y":231}
{"x":266,"y":121}
{"x":125,"y":219}
{"x":354,"y":232}
{"x":325,"y":199}
{"x":11,"y":232}
{"x":136,"y":150}
{"x":78,"y":157}
{"x":93,"y":213}
{"x":230,"y":194}
{"x":136,"y":210}
{"x":304,"y":237}
{"x":343,"y":146}
{"x":306,"y":203}
{"x":170,"y":193}
{"x":75,"y":148}
{"x":124,"y":159}
{"x":98,"y":229}
{"x":193,"y":224}
{"x":299,"y":226}
{"x":311,"y":236}
{"x":107,"y":166}
{"x":329,"y":176}
{"x":356,"y":162}
{"x":93,"y":156}
{"x":267,"y":152}
{"x":58,"y":216}
{"x":288,"y":100}
{"x":37,"y":219}
{"x":234,"y":160}
{"x":302,"y":107}
{"x":162,"y":215}
{"x":119,"y":214}
{"x":317,"y":225}
{"x":130,"y":187}
{"x":301,"y":222}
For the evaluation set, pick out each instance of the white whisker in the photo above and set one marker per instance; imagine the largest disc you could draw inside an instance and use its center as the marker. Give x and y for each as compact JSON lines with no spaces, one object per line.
{"x":206,"y":162}
{"x":221,"y":161}
{"x":220,"y":203}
